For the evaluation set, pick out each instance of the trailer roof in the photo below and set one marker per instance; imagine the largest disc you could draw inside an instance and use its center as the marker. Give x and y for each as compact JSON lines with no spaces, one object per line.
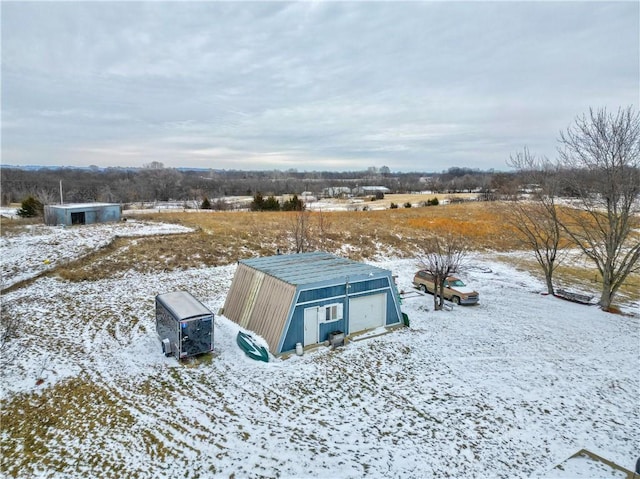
{"x":183,"y":305}
{"x":316,"y":267}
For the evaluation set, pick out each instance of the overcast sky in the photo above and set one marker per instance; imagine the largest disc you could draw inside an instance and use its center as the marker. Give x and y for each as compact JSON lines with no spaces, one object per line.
{"x":414,"y":86}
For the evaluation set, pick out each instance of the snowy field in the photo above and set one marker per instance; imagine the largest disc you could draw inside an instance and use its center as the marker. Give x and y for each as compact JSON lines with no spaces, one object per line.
{"x":45,"y":247}
{"x":507,"y":388}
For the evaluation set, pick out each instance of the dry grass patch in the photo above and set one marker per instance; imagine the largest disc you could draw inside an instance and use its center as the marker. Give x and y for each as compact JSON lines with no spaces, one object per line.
{"x":578,"y":278}
{"x":79,"y":407}
{"x":14,"y":226}
{"x":146,"y":254}
{"x":587,"y":278}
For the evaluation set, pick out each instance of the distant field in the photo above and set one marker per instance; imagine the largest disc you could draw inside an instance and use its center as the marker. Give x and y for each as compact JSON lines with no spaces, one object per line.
{"x":400,"y":200}
{"x":222,"y":238}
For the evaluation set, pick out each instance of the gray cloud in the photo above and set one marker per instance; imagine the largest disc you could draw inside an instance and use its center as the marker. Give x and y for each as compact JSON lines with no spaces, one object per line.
{"x":307,"y":85}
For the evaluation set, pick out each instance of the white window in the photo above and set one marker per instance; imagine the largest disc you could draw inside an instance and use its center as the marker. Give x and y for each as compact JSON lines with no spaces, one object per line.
{"x":332,"y":312}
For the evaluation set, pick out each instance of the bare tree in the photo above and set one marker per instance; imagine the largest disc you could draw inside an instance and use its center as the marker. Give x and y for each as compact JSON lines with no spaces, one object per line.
{"x":47,"y":196}
{"x":442,"y":256}
{"x":308,"y":230}
{"x":602,"y":150}
{"x":323,"y":227}
{"x":535,"y":218}
{"x":300,"y":230}
{"x":154,"y":165}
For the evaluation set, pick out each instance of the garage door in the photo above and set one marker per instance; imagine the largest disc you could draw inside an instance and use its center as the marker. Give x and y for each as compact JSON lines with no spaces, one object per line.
{"x":367,"y":312}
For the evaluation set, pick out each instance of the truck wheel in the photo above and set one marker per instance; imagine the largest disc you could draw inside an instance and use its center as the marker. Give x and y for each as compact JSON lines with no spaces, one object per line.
{"x":455,"y":300}
{"x":423,"y":288}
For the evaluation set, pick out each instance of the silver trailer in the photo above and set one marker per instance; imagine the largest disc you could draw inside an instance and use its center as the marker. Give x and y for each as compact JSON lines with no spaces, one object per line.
{"x":184,"y":324}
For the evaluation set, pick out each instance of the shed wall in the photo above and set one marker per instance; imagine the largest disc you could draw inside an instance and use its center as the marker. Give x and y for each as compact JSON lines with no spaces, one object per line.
{"x":238,"y":293}
{"x":335,"y":294}
{"x":63,"y":214}
{"x":259,"y":303}
{"x":295,"y":331}
{"x":269,"y":315}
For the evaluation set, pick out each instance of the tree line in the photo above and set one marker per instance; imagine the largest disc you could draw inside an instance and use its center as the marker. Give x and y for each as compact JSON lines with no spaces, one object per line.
{"x":154,"y":182}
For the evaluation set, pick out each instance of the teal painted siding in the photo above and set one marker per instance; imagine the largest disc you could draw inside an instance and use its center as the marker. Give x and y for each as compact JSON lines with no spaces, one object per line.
{"x":332,"y":295}
{"x":326,"y":328}
{"x":295,"y":332}
{"x":321,"y":293}
{"x":362,"y":286}
{"x":394,"y":316}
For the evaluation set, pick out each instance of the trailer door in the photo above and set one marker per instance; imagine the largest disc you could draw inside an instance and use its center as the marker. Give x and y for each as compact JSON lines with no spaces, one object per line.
{"x":196,"y":336}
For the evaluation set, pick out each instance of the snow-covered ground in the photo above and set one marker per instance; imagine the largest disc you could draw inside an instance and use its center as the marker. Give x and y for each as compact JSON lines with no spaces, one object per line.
{"x":510,"y":387}
{"x":41,"y":247}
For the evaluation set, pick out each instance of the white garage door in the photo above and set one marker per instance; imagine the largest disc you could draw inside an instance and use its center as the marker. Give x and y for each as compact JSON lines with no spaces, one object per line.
{"x":367,"y":312}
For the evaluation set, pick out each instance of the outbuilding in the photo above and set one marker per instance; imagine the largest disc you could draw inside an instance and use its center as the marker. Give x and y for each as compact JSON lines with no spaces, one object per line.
{"x":81,"y":213}
{"x":370,"y":190}
{"x":307,"y":298}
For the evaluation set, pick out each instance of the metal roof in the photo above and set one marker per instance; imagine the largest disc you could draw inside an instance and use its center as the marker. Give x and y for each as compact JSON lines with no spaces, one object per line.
{"x":183,"y":305}
{"x":83,"y":205}
{"x":308,"y":268}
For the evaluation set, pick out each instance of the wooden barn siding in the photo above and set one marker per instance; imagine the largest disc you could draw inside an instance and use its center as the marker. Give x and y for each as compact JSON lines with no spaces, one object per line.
{"x":269,"y":315}
{"x":252,"y":295}
{"x":237,"y":298}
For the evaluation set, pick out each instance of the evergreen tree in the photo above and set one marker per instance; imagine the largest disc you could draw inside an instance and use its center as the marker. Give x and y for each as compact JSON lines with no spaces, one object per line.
{"x":293,"y":204}
{"x":271,"y":204}
{"x":258,"y":202}
{"x":206,"y":204}
{"x":31,"y":207}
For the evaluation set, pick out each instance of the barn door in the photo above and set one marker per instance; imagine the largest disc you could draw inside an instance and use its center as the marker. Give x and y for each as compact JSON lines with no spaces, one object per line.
{"x":367,"y":312}
{"x":77,"y":218}
{"x":310,"y":326}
